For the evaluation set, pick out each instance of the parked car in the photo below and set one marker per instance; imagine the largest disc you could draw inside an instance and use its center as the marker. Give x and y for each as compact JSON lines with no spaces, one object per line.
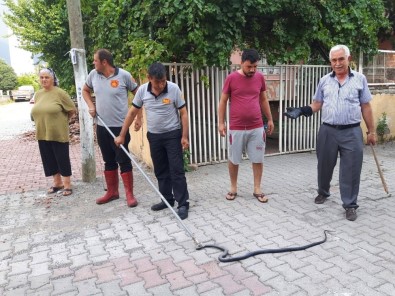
{"x":23,"y":93}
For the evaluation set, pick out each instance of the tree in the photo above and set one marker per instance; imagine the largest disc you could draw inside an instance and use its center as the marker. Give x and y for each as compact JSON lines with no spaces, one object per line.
{"x":42,"y":28}
{"x":29,"y":79}
{"x":203,"y":32}
{"x":390,"y":15}
{"x":8,"y":78}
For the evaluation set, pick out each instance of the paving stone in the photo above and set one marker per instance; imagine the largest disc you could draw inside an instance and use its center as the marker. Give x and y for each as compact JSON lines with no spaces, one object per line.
{"x":166,"y":266}
{"x":87,"y":287}
{"x":161,"y":290}
{"x":79,"y":260}
{"x":16,"y":292}
{"x":131,"y":244}
{"x":178,"y":255}
{"x":105,"y":274}
{"x":228,"y":285}
{"x":152,"y":278}
{"x":96,"y":250}
{"x":39,"y":257}
{"x":209,"y":287}
{"x":75,"y":247}
{"x":112,"y":288}
{"x":40,"y":282}
{"x":191,"y":269}
{"x":137,"y":289}
{"x":60,"y":259}
{"x":200,"y":257}
{"x":128,"y":276}
{"x":280,"y":285}
{"x":264,"y":273}
{"x":44,"y":291}
{"x":343,"y":278}
{"x":386,"y":289}
{"x":40,"y":269}
{"x":63,"y":285}
{"x":213,"y":292}
{"x":61,"y":272}
{"x":58,"y":248}
{"x":116,"y":252}
{"x":369,"y":280}
{"x":255,"y":286}
{"x":190,"y":291}
{"x":83,"y":273}
{"x":21,"y":247}
{"x":20,"y":267}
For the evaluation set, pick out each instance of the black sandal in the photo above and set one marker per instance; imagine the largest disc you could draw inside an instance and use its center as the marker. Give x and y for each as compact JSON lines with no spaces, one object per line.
{"x":54,"y":189}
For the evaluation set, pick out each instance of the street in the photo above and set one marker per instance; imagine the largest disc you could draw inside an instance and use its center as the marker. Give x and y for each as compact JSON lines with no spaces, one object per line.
{"x":15,"y":119}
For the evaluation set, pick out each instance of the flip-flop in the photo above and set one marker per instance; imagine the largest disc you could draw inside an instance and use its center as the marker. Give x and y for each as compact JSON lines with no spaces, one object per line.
{"x":54,"y":189}
{"x":231,"y":195}
{"x":260,"y":197}
{"x":67,"y":192}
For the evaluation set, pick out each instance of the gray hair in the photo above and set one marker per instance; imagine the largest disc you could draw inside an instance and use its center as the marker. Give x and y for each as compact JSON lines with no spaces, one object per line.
{"x":337,"y":47}
{"x":51,"y":73}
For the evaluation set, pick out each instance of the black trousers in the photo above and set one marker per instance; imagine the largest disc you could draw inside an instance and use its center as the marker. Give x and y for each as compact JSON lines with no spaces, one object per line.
{"x":112,"y":155}
{"x":167,"y":158}
{"x":55,"y":157}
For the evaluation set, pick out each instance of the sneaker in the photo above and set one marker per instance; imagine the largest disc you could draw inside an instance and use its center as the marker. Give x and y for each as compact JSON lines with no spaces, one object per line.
{"x":183,"y":212}
{"x":351,"y":214}
{"x":320,"y":199}
{"x":161,"y":206}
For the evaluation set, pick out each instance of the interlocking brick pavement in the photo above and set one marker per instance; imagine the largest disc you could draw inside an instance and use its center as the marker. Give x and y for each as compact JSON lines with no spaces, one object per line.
{"x":55,"y":245}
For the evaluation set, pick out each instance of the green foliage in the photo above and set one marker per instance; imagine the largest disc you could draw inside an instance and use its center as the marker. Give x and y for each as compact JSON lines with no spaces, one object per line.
{"x":144,"y":53}
{"x":29,"y":79}
{"x":185,"y":158}
{"x":382,"y":127}
{"x":202,"y":32}
{"x":205,"y":80}
{"x":8,"y":78}
{"x":390,"y":15}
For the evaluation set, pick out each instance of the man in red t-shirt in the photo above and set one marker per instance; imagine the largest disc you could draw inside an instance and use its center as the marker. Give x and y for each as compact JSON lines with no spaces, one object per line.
{"x":246,"y":91}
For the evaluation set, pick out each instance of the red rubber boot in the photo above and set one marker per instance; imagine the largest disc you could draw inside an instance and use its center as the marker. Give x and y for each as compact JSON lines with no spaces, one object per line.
{"x":112,"y":182}
{"x":127,"y":179}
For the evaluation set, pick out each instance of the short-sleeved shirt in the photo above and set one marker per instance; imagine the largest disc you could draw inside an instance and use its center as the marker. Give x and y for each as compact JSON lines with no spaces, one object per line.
{"x":50,"y":114}
{"x":342,"y":103}
{"x":244,"y":92}
{"x":162,"y":110}
{"x":111,"y":95}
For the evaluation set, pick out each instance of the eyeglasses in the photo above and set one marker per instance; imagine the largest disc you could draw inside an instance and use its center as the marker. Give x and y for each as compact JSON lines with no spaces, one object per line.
{"x":340,"y":60}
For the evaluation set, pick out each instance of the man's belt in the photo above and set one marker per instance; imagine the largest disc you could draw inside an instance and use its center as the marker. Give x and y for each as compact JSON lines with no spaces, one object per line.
{"x":342,"y":127}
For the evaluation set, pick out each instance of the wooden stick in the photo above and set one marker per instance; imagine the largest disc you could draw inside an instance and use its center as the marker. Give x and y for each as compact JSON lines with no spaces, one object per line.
{"x":379,"y":169}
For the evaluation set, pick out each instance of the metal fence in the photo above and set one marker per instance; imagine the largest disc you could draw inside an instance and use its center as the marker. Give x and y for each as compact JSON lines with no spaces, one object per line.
{"x":287,"y":86}
{"x":297,"y":87}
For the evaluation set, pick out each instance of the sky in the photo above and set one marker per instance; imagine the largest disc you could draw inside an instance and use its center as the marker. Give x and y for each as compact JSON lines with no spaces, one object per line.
{"x":20,"y":60}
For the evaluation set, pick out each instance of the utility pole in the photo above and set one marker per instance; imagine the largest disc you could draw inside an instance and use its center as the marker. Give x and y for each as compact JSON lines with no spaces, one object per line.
{"x":78,"y":58}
